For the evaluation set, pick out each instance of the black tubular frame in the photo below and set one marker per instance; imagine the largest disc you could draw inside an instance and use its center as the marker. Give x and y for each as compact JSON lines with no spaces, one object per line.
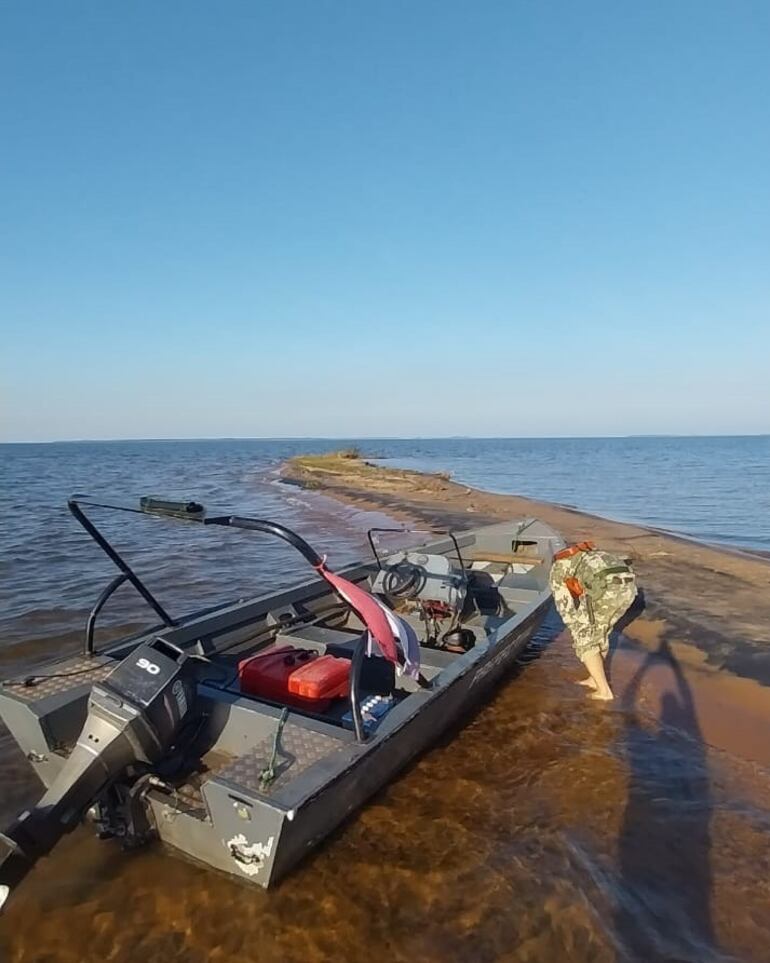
{"x":415,"y":531}
{"x":269,"y":528}
{"x":227,"y":521}
{"x":356,"y":664}
{"x":88,"y":648}
{"x":74,"y":506}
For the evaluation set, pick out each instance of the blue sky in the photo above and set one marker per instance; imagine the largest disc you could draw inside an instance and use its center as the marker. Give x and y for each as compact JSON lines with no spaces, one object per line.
{"x":384,"y":218}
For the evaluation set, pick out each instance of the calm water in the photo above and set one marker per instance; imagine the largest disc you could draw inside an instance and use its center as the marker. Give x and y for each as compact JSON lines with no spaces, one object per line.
{"x":50,"y":572}
{"x":716,"y":489}
{"x":548,"y":828}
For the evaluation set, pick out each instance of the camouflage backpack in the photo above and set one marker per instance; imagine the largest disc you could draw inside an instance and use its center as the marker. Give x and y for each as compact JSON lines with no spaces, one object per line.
{"x":596,"y":569}
{"x":592,"y":570}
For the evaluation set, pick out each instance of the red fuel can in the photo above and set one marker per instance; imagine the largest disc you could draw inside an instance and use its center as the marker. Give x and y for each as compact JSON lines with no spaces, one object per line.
{"x":321,"y":680}
{"x":302,"y":678}
{"x":267,"y":674}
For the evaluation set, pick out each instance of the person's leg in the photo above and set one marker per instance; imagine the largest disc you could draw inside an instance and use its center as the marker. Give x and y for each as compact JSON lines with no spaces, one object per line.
{"x":573,"y":618}
{"x":607,"y":607}
{"x":593,"y":660}
{"x":589,"y":682}
{"x":613,"y":604}
{"x":584,"y":639}
{"x":590,"y":644}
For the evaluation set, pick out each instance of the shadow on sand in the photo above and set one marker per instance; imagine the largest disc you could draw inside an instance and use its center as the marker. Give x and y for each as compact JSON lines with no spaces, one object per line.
{"x":664,"y":895}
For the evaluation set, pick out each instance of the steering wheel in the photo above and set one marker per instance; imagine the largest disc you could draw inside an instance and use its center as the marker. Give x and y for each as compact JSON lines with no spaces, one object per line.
{"x":404,"y":580}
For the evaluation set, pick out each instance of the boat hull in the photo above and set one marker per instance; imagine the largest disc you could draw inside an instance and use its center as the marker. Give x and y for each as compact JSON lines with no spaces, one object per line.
{"x":220,"y":809}
{"x":279,"y":835}
{"x":324,"y":813}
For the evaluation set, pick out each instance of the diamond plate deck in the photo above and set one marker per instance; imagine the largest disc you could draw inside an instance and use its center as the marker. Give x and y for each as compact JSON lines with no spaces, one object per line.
{"x":64,"y":676}
{"x":298,"y":749}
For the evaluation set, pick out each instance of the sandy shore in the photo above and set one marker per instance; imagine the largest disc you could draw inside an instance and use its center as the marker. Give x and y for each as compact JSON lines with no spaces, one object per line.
{"x":706,"y":610}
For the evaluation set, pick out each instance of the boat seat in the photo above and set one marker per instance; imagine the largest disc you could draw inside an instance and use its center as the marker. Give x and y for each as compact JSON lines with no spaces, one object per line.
{"x":317,"y":637}
{"x":436,"y":658}
{"x":519,"y":588}
{"x":505,"y":558}
{"x":521,"y":580}
{"x":517,"y":597}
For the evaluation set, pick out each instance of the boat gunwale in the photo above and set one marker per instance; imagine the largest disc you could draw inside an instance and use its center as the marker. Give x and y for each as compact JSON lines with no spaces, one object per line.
{"x":311,"y":588}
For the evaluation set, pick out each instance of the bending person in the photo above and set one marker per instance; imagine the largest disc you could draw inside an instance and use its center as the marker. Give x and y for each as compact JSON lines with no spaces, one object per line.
{"x":591,"y":589}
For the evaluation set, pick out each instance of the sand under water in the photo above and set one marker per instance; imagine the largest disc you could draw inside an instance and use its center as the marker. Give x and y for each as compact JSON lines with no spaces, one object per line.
{"x":547,"y":828}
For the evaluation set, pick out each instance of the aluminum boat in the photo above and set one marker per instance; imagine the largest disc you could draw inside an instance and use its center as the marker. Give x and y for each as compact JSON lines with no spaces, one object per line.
{"x":242,"y":736}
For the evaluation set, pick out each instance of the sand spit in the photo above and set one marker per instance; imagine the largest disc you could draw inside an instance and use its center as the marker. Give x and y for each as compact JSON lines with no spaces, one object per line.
{"x":706,"y":609}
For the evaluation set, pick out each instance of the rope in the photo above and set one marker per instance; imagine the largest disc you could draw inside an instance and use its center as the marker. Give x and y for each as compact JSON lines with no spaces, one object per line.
{"x":267,"y":776}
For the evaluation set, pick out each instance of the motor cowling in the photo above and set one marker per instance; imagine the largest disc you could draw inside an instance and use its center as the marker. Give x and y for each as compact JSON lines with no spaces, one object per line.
{"x":135,"y":717}
{"x":149,"y":697}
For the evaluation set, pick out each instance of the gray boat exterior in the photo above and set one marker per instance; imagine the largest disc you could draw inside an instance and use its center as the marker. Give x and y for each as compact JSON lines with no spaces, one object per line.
{"x":219,"y":809}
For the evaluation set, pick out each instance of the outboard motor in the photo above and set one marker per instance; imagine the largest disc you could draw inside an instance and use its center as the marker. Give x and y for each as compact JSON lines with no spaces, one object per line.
{"x":135,"y":718}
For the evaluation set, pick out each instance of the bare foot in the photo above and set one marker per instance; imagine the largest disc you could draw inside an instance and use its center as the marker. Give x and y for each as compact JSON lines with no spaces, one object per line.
{"x":601,"y":696}
{"x":588,"y":683}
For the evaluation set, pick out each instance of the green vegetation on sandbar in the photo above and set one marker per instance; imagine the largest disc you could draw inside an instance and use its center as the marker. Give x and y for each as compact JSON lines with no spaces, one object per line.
{"x":348,"y":464}
{"x":346,"y":461}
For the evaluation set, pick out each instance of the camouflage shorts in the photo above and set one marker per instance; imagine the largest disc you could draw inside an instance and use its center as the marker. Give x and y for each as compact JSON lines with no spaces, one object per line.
{"x":591,"y":622}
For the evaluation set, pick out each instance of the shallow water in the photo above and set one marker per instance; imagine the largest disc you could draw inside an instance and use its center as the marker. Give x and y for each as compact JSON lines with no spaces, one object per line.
{"x":548,"y":828}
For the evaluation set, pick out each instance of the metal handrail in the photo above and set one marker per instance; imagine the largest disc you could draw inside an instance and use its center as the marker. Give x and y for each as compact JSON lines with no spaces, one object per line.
{"x":118,"y":560}
{"x":193,"y":512}
{"x":88,"y":647}
{"x":269,"y":528}
{"x":356,"y":664}
{"x":416,"y":531}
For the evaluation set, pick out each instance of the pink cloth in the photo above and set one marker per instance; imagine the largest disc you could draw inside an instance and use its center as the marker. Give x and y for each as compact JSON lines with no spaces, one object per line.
{"x":385,"y":628}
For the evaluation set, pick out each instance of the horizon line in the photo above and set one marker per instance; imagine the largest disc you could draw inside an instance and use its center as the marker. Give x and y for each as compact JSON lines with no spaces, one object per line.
{"x":370,"y":438}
